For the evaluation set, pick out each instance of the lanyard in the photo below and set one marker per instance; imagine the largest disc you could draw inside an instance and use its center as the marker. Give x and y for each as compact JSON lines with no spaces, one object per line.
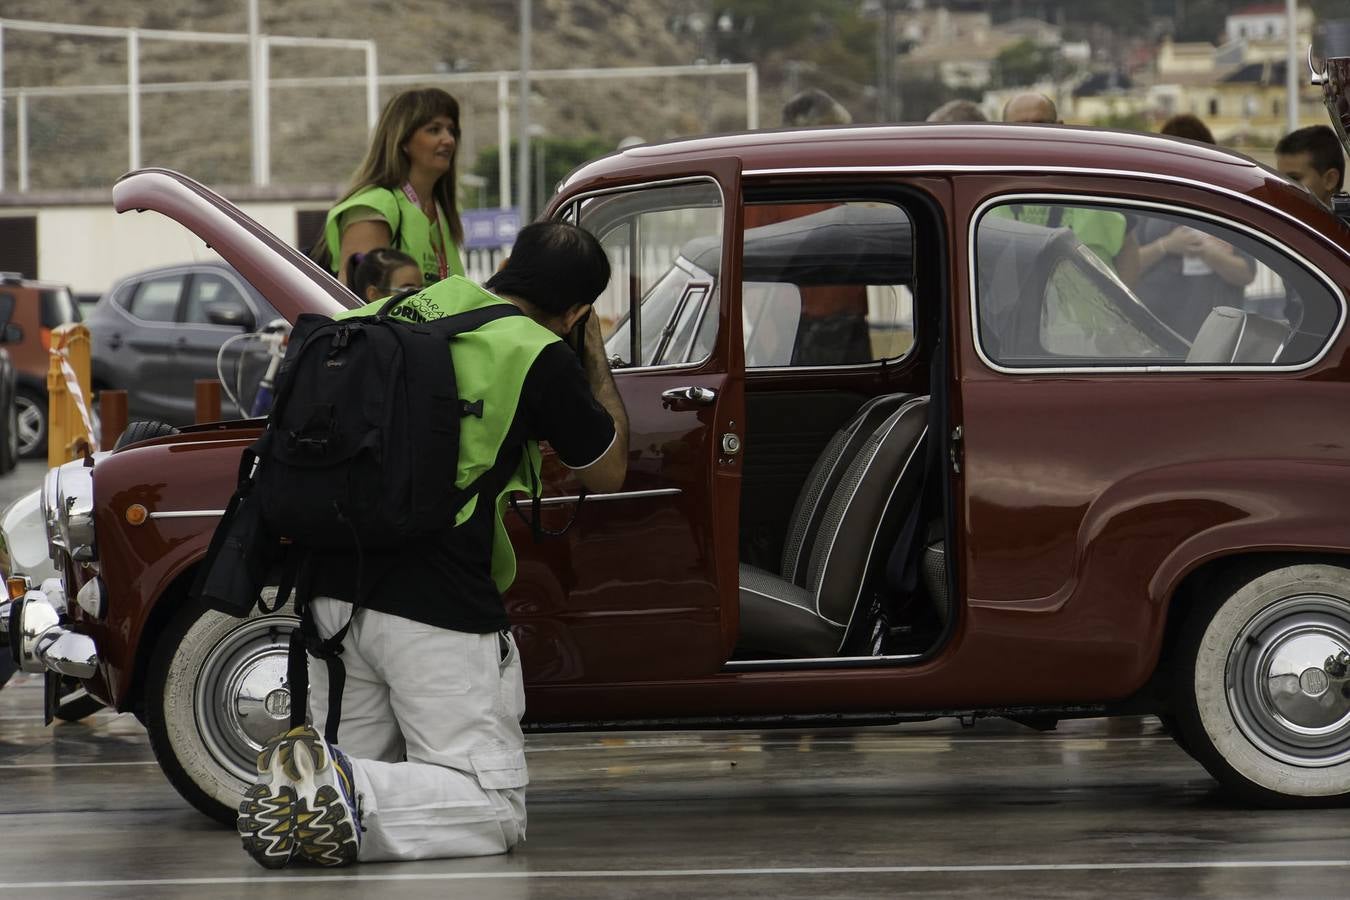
{"x":441,"y":265}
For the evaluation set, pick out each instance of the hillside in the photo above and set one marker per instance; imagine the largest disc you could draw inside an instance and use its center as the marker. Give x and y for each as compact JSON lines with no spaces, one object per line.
{"x":318,"y":134}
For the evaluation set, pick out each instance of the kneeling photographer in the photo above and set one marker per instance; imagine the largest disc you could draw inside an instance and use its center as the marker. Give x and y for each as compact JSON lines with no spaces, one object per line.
{"x":419,"y":752}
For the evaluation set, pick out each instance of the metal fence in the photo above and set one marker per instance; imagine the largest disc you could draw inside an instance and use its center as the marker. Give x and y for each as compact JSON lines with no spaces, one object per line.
{"x":275,"y":111}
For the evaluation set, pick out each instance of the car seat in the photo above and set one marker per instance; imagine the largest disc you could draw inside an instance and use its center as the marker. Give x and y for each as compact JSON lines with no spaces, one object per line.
{"x":843,"y":525}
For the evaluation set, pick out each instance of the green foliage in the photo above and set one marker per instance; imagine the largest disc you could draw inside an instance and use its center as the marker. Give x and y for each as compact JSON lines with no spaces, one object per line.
{"x":1023,"y":63}
{"x":827,"y":35}
{"x":557,"y":155}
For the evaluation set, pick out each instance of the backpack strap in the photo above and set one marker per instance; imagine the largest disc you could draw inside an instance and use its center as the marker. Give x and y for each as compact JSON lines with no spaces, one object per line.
{"x":459,"y":323}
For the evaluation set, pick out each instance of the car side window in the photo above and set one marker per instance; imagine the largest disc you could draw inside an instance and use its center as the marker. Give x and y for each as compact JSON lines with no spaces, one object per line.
{"x":664,"y":246}
{"x":1098,"y":285}
{"x":827,"y":284}
{"x":211,"y":293}
{"x":156,"y":299}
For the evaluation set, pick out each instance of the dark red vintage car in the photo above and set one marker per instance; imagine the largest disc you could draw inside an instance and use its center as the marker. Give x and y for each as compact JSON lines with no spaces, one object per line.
{"x":974,"y":420}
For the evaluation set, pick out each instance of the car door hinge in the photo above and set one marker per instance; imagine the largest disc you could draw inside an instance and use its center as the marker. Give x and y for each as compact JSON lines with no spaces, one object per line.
{"x":954,"y":449}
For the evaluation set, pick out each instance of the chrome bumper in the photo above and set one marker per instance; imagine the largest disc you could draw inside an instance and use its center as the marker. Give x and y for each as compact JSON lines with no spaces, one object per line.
{"x":38,"y":641}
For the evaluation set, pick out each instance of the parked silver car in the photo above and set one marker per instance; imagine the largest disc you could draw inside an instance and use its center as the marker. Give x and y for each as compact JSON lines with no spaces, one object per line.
{"x":156,"y":332}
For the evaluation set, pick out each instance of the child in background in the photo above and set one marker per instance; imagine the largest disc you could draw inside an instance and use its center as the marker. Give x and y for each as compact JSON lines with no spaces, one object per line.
{"x":382,"y":272}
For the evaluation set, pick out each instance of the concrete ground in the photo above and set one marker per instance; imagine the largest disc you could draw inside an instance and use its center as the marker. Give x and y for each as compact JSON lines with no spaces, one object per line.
{"x":1096,"y":809}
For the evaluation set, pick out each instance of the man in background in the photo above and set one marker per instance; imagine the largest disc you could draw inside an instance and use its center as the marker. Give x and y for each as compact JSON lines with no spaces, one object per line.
{"x":1313,"y":157}
{"x":814,"y":108}
{"x":832,"y":329}
{"x":957,"y":111}
{"x":1031,"y":109}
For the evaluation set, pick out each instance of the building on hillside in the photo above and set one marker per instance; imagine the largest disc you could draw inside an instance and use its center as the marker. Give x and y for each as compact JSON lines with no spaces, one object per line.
{"x":960,"y":48}
{"x":1184,"y":58}
{"x":1267,"y":22}
{"x":1102,"y":98}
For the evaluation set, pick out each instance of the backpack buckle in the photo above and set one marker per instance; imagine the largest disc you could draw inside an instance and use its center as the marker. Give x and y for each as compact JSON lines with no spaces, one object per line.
{"x":467,"y":409}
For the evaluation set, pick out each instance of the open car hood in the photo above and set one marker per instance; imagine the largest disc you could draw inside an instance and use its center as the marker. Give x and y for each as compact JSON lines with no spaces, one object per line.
{"x":290,"y":281}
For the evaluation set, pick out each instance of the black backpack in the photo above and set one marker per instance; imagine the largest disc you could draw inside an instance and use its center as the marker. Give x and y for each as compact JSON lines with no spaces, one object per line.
{"x":361,"y":448}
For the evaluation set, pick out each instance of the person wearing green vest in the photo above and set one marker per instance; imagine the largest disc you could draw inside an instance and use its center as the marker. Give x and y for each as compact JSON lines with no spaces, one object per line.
{"x":431,"y":761}
{"x":403,"y":194}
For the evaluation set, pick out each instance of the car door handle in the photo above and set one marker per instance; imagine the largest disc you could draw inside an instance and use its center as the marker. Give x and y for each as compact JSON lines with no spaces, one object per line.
{"x":686,"y":397}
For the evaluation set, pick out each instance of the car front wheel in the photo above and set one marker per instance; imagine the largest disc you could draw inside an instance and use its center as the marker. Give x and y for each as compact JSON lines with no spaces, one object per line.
{"x":1263,"y":692}
{"x":215,"y":692}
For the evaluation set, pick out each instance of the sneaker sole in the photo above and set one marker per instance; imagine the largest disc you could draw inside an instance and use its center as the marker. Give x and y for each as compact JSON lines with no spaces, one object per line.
{"x":325,"y":828}
{"x":266,"y":825}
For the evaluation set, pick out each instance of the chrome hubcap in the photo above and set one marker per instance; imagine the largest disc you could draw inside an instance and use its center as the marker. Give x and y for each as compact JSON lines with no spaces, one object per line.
{"x":1288,"y":680}
{"x":31,"y":423}
{"x":242,"y":697}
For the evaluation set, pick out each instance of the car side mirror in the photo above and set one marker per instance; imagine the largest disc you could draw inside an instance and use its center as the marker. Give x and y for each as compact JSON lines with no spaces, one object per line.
{"x":12,"y":334}
{"x":233,"y":316}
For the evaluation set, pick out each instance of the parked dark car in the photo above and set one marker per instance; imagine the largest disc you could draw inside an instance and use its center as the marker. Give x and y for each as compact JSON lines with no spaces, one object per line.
{"x":11,"y":337}
{"x":39,"y":306}
{"x":158,"y":331}
{"x":906,"y":442}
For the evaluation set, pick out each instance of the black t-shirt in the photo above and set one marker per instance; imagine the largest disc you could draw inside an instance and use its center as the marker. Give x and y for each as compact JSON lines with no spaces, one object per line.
{"x":445,"y":580}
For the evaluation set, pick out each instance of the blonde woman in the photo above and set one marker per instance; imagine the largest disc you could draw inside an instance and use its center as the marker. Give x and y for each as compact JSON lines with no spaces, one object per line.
{"x":403,"y":195}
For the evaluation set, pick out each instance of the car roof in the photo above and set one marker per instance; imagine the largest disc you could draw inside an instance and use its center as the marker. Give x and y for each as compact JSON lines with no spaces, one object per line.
{"x":939,"y":147}
{"x":15,"y":279}
{"x":204,"y":264}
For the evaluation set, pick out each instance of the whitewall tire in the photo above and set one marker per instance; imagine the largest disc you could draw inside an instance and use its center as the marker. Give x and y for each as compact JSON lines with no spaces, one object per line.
{"x":1263,"y":691}
{"x":215,"y":692}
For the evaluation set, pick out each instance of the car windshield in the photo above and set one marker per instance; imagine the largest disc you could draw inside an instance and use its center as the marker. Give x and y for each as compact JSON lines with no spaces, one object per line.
{"x":58,"y":307}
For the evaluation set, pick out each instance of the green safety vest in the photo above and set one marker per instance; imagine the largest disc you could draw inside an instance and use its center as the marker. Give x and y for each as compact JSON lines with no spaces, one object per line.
{"x":409,"y":226}
{"x":1100,"y":230}
{"x":490,"y":365}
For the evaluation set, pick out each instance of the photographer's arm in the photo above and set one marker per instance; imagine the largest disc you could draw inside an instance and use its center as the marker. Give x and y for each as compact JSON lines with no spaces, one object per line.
{"x":607,"y":473}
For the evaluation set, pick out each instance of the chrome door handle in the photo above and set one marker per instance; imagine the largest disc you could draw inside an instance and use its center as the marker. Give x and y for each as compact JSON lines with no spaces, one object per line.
{"x":684,"y":397}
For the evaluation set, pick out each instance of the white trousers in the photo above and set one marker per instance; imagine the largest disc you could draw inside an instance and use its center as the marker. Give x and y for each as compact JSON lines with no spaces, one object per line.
{"x":431,"y":721}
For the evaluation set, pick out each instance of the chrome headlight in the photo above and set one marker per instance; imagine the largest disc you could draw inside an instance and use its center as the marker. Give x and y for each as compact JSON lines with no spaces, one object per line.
{"x":68,"y":510}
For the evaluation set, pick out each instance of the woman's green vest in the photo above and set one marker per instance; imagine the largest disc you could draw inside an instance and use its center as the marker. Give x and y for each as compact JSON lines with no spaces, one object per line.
{"x":408,"y":225}
{"x":490,"y":365}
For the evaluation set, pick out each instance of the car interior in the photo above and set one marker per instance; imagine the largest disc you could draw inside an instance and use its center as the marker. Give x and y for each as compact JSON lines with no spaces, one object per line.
{"x":842,"y":496}
{"x":844,"y":511}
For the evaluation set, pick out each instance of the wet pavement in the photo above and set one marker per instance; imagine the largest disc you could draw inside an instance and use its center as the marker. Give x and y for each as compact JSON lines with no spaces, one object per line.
{"x":1095,"y":809}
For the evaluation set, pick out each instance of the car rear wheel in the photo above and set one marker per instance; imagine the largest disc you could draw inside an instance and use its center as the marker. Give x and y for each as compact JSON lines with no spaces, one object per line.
{"x":1263,"y":692}
{"x":215,"y":692}
{"x":31,"y":412}
{"x":143,"y":431}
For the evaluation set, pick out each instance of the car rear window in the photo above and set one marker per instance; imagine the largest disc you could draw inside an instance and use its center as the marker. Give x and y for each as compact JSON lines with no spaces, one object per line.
{"x":57,"y":307}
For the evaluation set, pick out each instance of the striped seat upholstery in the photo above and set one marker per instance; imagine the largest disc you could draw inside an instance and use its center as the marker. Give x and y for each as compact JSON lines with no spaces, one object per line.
{"x":842,"y":528}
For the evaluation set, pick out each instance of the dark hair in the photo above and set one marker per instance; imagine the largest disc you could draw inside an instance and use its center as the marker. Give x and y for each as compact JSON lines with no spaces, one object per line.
{"x":553,"y":266}
{"x":814,"y":107}
{"x":1320,"y":143}
{"x":374,"y":267}
{"x":1185,"y":125}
